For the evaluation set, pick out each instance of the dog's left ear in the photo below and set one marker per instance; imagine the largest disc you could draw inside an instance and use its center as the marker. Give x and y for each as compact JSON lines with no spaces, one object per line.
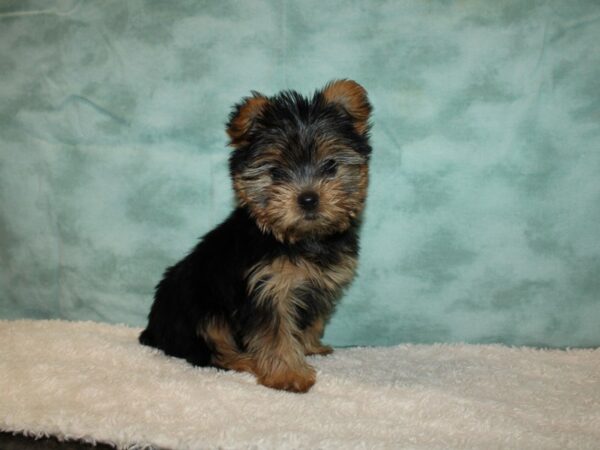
{"x":242,"y":118}
{"x":353,"y":98}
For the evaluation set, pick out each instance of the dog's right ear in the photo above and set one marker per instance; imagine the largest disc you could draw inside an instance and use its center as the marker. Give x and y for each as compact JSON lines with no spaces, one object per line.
{"x":242,"y":118}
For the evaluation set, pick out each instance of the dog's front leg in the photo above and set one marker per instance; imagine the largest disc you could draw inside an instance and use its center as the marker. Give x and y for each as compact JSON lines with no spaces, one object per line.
{"x":279,"y":359}
{"x":275,"y":344}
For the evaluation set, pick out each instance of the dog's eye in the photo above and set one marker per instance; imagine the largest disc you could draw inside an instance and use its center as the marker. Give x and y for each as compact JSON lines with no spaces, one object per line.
{"x":277,"y":174}
{"x":329,"y":168}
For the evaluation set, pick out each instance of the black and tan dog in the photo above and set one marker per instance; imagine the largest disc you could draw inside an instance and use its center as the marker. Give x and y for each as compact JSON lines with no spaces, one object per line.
{"x":255,"y":293}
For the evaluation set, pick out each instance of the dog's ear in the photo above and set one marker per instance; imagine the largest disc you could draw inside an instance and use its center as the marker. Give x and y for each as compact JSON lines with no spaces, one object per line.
{"x":242,"y":118}
{"x":353,"y":98}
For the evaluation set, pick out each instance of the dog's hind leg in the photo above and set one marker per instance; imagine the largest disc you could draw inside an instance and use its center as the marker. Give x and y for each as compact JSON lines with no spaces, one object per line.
{"x":225,"y":352}
{"x":176,"y":337}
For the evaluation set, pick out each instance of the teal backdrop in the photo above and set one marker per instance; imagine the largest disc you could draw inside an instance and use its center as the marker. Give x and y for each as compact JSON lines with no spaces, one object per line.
{"x":483,"y":218}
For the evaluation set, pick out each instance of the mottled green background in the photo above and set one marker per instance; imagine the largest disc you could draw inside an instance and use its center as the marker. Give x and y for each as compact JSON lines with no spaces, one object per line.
{"x":484,"y":207}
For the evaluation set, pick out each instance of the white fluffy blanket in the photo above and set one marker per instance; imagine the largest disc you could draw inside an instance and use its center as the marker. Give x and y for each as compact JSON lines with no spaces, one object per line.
{"x":94,"y":382}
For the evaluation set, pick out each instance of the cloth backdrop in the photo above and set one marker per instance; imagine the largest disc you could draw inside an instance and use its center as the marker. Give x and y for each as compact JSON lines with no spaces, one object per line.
{"x":483,"y":214}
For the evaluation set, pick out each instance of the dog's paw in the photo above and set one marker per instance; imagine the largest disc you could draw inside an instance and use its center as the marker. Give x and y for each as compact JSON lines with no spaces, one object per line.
{"x":320,"y":350}
{"x":289,"y":380}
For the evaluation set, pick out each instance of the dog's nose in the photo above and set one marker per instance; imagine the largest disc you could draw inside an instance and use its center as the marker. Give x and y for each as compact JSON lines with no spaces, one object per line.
{"x":308,"y":200}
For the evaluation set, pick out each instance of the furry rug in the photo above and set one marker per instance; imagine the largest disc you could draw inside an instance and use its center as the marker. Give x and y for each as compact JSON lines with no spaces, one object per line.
{"x":94,"y":382}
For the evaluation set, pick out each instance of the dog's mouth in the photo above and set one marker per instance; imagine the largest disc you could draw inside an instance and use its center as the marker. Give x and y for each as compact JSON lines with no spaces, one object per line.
{"x":311,"y":216}
{"x":309,"y":225}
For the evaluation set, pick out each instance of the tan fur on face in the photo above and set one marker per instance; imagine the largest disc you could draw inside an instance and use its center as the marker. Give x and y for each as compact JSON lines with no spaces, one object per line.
{"x":281,"y":213}
{"x":363,"y":184}
{"x":341,"y":199}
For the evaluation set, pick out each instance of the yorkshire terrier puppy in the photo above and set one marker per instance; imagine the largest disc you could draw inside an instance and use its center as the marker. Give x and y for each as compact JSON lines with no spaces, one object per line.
{"x":254,"y":295}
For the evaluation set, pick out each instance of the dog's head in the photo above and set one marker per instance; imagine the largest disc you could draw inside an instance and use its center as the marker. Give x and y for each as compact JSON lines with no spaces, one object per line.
{"x":300,"y":165}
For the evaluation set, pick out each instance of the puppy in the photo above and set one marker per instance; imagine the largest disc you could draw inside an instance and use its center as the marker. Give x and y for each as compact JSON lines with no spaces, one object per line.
{"x":255,"y":294}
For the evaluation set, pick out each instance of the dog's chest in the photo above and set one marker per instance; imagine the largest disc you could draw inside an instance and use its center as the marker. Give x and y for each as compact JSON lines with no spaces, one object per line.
{"x":284,"y":277}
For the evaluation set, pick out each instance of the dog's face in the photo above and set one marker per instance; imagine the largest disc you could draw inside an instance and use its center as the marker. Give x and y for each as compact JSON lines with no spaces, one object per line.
{"x":301,"y":165}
